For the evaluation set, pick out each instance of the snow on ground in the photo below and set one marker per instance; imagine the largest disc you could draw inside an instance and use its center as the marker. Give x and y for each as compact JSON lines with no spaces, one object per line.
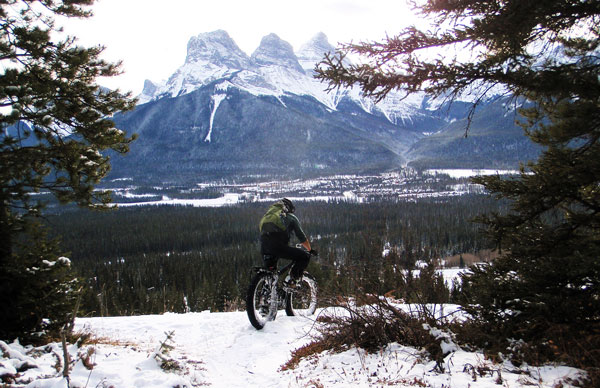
{"x":466,"y":173}
{"x":225,"y":200}
{"x":224,"y":350}
{"x":228,"y":199}
{"x":401,"y":366}
{"x":451,"y":275}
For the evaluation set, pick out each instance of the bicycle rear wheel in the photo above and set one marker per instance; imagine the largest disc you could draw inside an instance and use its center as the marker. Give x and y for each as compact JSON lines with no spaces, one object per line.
{"x":258,"y":300}
{"x":302,"y":301}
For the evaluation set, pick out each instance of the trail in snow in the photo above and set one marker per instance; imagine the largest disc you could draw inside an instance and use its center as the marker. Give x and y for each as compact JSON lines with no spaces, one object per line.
{"x":232,"y":352}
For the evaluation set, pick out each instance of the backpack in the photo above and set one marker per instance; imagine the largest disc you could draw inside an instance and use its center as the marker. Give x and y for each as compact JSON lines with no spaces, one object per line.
{"x":272,"y":221}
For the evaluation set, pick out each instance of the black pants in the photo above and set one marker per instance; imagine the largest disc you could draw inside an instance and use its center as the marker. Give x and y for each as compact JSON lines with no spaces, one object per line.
{"x":278,"y":249}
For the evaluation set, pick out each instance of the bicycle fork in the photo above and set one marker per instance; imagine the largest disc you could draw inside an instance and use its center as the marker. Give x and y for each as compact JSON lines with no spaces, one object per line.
{"x":274,"y":298}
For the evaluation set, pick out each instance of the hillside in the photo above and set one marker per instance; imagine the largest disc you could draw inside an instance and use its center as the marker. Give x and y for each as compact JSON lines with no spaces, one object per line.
{"x":223,"y":350}
{"x":186,"y":138}
{"x":492,"y":139}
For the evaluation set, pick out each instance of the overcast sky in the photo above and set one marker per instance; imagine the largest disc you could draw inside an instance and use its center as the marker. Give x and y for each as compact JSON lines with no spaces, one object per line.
{"x":151,"y":36}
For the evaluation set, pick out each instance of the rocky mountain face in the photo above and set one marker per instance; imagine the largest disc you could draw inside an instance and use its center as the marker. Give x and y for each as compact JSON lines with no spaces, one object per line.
{"x":224,"y":113}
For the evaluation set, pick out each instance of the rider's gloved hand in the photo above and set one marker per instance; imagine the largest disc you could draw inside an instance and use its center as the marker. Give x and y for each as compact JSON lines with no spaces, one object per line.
{"x":314,"y":252}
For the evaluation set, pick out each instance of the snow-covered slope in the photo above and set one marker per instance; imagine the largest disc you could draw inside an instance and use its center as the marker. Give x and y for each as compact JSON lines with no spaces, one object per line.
{"x":224,"y":350}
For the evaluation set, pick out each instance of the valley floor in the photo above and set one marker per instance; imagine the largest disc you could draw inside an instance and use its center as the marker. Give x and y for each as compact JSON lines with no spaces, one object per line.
{"x":224,"y":350}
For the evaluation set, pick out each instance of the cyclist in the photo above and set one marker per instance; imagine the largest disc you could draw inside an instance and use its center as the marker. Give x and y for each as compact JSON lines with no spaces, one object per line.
{"x":276,"y":228}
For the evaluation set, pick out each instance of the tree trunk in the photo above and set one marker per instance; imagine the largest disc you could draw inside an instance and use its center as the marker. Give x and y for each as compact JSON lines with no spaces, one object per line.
{"x":6,"y":283}
{"x":5,"y":233}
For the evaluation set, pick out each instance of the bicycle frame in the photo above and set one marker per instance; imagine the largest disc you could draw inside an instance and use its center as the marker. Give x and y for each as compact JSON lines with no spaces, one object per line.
{"x":277,"y":271}
{"x":274,"y":297}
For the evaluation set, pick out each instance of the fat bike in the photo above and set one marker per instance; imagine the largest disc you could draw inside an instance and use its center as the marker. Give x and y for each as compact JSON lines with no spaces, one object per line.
{"x":267,"y":294}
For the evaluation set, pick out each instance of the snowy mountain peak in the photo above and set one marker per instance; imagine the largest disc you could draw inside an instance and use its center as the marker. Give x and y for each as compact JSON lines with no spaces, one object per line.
{"x":210,"y":56}
{"x":313,"y":51}
{"x":149,"y":91}
{"x":216,"y":48}
{"x":149,"y":88}
{"x":316,"y":47}
{"x":275,"y":51}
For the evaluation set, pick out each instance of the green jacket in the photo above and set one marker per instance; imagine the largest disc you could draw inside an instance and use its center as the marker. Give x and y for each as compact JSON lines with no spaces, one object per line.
{"x":293,"y":226}
{"x":278,"y":224}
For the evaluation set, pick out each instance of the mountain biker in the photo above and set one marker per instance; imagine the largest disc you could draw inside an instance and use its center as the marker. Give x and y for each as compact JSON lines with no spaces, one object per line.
{"x":276,"y":228}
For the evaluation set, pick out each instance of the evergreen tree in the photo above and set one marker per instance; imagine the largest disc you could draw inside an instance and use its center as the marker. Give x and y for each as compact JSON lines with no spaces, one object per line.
{"x":546,"y":286}
{"x":54,"y":125}
{"x":38,"y":288}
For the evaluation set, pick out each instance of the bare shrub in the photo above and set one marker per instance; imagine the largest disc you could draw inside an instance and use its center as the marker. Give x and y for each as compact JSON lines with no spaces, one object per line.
{"x":371,"y":327}
{"x":576,"y":348}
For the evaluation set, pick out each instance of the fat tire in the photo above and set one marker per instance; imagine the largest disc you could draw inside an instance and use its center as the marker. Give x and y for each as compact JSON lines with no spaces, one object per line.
{"x":254,"y":315}
{"x":307,"y":289}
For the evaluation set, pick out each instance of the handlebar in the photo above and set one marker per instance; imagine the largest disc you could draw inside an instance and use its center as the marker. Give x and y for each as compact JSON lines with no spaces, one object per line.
{"x":312,"y":252}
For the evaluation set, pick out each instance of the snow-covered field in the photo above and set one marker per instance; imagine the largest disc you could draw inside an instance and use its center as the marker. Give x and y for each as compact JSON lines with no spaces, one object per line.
{"x":469,"y":172}
{"x":401,"y":186}
{"x":224,"y":350}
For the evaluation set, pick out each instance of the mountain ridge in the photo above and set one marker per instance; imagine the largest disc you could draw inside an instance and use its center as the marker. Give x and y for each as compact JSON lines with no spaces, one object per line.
{"x":225,"y":113}
{"x":272,"y":69}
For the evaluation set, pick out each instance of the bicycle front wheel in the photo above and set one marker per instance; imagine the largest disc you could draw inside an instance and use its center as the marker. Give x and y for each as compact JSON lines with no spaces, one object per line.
{"x":302,"y":301}
{"x":258,"y":300}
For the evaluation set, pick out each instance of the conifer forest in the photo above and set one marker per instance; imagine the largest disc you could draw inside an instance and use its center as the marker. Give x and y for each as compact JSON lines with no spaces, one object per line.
{"x":148,"y":260}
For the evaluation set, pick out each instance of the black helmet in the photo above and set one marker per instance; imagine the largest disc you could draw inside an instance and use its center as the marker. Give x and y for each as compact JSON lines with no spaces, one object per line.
{"x":289,"y":206}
